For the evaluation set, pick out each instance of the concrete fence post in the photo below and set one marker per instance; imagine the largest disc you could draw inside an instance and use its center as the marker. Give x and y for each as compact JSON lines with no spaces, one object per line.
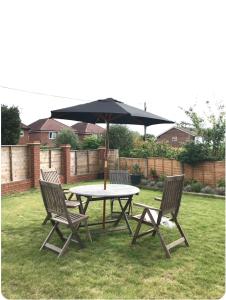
{"x":34,"y":153}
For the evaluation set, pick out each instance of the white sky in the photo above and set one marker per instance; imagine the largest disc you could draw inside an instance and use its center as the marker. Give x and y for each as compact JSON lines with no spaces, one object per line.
{"x":167,"y":53}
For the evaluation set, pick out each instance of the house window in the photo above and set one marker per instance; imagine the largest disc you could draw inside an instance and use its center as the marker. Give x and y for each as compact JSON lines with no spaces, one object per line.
{"x":21,"y":133}
{"x":198,"y":139}
{"x":52,"y":135}
{"x":174,"y":139}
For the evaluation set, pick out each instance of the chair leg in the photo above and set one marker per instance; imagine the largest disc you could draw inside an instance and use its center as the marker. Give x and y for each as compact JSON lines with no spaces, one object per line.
{"x":88,"y":235}
{"x":65,"y":245}
{"x":49,"y":235}
{"x":45,"y":220}
{"x":135,"y":236}
{"x":157,"y":231}
{"x":181,"y":232}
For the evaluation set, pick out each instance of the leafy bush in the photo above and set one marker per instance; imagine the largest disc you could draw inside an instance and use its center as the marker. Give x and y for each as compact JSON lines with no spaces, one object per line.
{"x":67,"y":136}
{"x":154,"y":174}
{"x":207,"y":190}
{"x":196,"y":187}
{"x":221,"y":183}
{"x":188,"y":188}
{"x":194,"y":153}
{"x":91,"y":142}
{"x":152,"y":183}
{"x":120,"y":137}
{"x":136,"y":170}
{"x":220,"y":191}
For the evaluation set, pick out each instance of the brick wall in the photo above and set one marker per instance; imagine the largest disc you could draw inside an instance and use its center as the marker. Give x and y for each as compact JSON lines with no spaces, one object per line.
{"x":182,"y":137}
{"x":208,"y":173}
{"x":25,"y":138}
{"x":20,"y":168}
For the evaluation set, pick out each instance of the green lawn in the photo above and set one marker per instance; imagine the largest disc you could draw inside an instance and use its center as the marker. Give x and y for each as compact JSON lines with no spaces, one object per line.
{"x":110,"y":267}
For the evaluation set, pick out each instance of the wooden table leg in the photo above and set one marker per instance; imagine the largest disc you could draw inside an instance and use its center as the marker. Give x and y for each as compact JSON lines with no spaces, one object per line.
{"x":104,"y":210}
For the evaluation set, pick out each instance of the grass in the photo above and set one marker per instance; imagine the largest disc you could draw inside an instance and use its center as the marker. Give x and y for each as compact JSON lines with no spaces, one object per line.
{"x":110,"y":267}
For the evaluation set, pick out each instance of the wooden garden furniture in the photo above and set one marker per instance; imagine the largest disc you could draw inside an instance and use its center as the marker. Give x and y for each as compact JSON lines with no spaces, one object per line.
{"x":51,"y":175}
{"x":54,"y":201}
{"x":120,"y":177}
{"x":97,"y":192}
{"x":170,"y":204}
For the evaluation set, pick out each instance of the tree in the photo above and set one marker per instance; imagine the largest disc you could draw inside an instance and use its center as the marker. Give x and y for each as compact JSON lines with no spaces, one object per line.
{"x":120,"y":137}
{"x":91,"y":142}
{"x":211,"y":127}
{"x":10,"y":125}
{"x":67,"y":136}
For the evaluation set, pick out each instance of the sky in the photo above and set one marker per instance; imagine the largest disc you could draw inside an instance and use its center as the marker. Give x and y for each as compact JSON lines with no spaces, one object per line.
{"x":169,"y":54}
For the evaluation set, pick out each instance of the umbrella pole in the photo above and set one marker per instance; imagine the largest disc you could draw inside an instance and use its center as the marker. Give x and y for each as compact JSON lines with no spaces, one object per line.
{"x":105,"y":170}
{"x":106,"y":156}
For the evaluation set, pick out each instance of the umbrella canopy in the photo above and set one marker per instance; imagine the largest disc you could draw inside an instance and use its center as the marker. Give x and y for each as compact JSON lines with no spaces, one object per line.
{"x":108,"y":111}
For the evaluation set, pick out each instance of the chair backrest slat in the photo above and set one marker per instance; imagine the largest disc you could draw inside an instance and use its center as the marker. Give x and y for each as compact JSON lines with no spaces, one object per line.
{"x":50,"y":175}
{"x":119,"y":177}
{"x":173,"y":187}
{"x":54,"y":198}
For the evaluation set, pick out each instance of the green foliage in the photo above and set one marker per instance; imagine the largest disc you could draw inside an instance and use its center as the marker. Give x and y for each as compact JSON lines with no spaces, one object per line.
{"x":211,"y":127}
{"x":194,"y":153}
{"x":91,"y":142}
{"x":221,"y":183}
{"x":196,"y":187}
{"x":136,"y":170}
{"x":67,"y":136}
{"x":120,"y":137}
{"x":10,"y":125}
{"x":150,"y":148}
{"x":207,"y":190}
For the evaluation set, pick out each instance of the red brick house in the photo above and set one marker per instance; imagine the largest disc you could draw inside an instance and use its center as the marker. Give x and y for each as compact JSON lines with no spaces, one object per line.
{"x":45,"y":131}
{"x":87,"y":129}
{"x":24,"y":134}
{"x":176,"y":136}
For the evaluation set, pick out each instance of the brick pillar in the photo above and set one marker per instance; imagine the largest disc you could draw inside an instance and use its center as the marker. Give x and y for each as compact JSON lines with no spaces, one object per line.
{"x":34,"y":153}
{"x":66,"y":162}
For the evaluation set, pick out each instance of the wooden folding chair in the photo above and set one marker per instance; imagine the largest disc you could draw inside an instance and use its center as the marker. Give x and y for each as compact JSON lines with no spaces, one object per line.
{"x":51,"y":175}
{"x":120,"y":177}
{"x":54,"y":201}
{"x":170,"y":204}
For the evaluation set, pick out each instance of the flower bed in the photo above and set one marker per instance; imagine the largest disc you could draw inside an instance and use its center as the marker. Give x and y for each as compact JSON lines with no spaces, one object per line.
{"x":190,"y":186}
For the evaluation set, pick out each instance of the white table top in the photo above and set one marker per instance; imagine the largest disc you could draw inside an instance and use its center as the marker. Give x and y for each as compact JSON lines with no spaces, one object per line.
{"x":112,"y":190}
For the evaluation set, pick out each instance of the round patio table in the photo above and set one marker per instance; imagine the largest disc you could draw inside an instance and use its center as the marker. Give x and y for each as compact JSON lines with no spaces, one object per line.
{"x":113,"y":191}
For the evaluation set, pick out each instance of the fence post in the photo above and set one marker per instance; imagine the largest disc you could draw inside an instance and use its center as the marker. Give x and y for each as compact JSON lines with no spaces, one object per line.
{"x":34,"y":153}
{"x":66,"y":162}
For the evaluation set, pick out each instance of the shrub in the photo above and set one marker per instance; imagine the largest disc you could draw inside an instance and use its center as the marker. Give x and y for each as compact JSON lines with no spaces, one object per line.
{"x":160,"y":184}
{"x":67,"y":136}
{"x":154,"y":174}
{"x":220,"y":191}
{"x":188,"y":188}
{"x":221,"y":183}
{"x":207,"y":190}
{"x":120,"y":137}
{"x":91,"y":142}
{"x":136,"y":169}
{"x":196,"y":187}
{"x":152,"y":183}
{"x":194,"y":153}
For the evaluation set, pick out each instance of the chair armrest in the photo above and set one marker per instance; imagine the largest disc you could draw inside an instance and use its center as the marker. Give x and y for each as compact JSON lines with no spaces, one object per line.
{"x":146,"y":206}
{"x":158,"y":199}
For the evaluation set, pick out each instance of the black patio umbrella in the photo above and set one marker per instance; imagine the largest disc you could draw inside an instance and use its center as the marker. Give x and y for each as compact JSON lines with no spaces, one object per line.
{"x":108,"y":111}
